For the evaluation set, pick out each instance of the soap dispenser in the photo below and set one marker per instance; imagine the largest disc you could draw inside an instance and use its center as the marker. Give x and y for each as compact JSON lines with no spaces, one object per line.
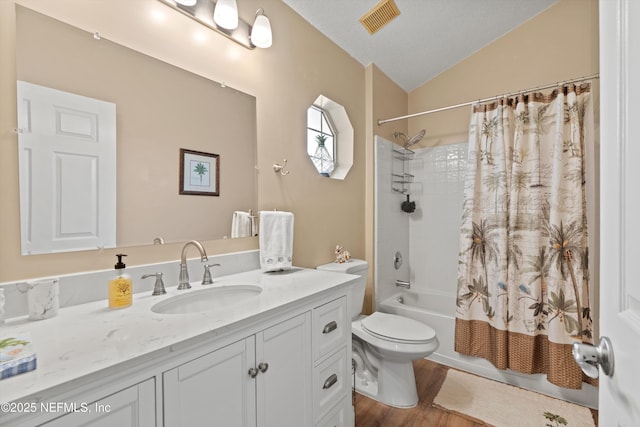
{"x":120,"y":287}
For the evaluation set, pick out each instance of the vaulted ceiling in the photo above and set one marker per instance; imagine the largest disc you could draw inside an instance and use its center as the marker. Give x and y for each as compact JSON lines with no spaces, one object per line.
{"x":428,"y":36}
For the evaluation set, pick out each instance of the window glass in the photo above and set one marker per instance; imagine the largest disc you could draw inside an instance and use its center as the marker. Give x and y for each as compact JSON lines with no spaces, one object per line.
{"x":321,"y":140}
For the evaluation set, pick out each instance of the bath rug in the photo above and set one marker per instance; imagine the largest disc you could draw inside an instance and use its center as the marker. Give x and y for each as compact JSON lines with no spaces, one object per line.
{"x":501,"y":405}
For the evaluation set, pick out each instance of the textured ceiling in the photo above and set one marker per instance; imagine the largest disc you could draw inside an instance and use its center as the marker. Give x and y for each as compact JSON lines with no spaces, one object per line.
{"x":427,"y":38}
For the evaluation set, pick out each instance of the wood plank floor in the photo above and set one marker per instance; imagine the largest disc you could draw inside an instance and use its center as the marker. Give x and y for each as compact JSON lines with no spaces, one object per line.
{"x":429,"y":379}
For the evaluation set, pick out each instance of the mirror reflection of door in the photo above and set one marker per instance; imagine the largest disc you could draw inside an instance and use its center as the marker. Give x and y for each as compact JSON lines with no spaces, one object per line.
{"x":67,"y":153}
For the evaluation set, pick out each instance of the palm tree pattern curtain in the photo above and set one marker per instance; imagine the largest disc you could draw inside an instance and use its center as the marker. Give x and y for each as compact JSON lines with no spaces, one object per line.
{"x":523,"y":280}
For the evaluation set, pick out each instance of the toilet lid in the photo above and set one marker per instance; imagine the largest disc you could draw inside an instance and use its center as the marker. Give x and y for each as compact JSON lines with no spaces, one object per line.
{"x":397,"y":328}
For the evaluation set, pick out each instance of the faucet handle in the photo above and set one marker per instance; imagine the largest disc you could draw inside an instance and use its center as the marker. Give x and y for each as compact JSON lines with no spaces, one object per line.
{"x":206,"y":279}
{"x":158,"y":288}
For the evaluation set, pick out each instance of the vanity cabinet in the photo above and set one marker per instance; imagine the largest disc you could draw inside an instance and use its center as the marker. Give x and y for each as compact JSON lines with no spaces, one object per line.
{"x":263,"y":380}
{"x":295,"y":373}
{"x":282,"y":365}
{"x":131,"y":407}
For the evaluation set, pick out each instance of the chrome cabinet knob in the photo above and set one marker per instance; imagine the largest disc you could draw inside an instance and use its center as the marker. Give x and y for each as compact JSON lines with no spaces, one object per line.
{"x":253,"y":372}
{"x":262,"y":367}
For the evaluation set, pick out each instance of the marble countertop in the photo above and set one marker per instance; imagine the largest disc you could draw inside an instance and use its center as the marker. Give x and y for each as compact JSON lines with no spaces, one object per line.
{"x":87,"y":338}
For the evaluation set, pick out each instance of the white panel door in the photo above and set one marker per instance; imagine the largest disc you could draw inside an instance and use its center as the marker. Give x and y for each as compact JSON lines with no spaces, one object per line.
{"x":620,"y":209}
{"x":67,"y":157}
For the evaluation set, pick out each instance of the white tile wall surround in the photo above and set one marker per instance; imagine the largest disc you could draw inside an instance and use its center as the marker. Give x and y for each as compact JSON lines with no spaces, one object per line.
{"x":428,"y":238}
{"x":434,"y":235}
{"x":391,"y":224}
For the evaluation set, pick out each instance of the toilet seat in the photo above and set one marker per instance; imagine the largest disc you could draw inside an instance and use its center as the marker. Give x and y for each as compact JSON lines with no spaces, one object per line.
{"x":391,"y":327}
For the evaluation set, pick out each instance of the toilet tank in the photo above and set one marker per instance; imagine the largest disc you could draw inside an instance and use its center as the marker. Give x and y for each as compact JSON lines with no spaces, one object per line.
{"x":354,"y":266}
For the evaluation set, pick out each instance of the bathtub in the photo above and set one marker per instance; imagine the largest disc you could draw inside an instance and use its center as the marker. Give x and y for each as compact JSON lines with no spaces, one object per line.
{"x":438,"y":310}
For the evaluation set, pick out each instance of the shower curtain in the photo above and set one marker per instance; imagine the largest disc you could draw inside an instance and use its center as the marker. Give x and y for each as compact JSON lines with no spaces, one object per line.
{"x":523,"y":278}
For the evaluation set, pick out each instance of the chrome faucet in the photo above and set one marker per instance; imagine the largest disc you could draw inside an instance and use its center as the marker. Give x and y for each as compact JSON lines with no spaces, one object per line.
{"x":158,"y":287}
{"x":183,"y":281}
{"x":403,"y":284}
{"x":206,"y":278}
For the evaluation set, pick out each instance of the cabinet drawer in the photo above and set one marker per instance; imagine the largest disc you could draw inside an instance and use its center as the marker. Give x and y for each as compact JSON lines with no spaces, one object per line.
{"x":330,"y":383}
{"x":330,"y":327}
{"x":337,"y":417}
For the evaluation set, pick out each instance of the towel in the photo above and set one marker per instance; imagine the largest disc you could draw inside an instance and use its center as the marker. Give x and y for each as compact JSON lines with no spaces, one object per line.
{"x":276,"y":240}
{"x":241,"y":224}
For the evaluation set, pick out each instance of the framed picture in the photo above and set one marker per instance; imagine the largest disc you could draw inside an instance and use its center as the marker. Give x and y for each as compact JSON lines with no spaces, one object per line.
{"x":199,"y":173}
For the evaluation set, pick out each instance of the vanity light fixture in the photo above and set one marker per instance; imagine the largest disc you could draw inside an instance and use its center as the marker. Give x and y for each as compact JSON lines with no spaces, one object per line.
{"x":222,"y":17}
{"x":261,"y":31}
{"x":225,"y":14}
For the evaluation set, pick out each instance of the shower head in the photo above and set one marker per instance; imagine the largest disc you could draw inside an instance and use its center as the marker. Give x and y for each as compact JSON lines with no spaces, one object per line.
{"x":408,"y":142}
{"x":400,"y":135}
{"x":415,"y":139}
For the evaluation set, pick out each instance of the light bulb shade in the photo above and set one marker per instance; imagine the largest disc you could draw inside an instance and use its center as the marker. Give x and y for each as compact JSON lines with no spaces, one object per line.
{"x":261,"y":32}
{"x":187,"y":2}
{"x":225,"y":14}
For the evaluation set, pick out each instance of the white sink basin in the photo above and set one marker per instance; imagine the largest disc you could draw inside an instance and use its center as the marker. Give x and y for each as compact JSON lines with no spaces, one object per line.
{"x":207,"y":299}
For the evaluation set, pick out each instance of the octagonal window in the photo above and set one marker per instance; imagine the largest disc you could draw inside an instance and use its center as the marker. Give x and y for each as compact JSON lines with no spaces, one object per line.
{"x":329,"y":138}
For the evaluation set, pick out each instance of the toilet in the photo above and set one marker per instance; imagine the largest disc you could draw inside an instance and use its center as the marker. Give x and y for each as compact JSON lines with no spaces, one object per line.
{"x":384,"y":346}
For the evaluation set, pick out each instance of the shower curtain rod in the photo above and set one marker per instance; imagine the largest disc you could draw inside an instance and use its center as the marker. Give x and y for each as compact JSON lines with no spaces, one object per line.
{"x":493,"y":98}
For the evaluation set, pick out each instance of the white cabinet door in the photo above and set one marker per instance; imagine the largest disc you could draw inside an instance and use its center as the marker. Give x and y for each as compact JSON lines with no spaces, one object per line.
{"x":67,"y":153}
{"x":264,"y":380}
{"x":620,"y":209}
{"x":284,"y":393}
{"x":131,"y":407}
{"x":213,"y":390}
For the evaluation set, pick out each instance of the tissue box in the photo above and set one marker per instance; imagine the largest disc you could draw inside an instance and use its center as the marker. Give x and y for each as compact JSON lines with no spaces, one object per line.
{"x":16,"y":355}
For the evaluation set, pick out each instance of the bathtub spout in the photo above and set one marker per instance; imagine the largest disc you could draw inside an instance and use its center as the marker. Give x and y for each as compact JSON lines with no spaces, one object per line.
{"x":403,"y":284}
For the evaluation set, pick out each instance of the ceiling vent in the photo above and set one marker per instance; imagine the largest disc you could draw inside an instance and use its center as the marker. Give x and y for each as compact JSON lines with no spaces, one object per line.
{"x":380,"y":16}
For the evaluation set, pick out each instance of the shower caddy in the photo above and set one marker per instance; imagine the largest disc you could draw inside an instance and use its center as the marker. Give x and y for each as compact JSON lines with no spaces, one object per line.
{"x":401,"y":179}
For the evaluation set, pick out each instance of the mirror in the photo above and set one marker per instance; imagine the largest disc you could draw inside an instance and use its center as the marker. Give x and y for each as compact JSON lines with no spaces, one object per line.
{"x":160,"y":110}
{"x":329,"y":138}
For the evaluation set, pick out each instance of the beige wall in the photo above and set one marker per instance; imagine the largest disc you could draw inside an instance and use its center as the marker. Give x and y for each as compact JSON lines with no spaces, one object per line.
{"x":285,"y":80}
{"x":559,"y":44}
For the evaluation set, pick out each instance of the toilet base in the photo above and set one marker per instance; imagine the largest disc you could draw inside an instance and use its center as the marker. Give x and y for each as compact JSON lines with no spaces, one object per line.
{"x":366,"y":387}
{"x":395,"y":385}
